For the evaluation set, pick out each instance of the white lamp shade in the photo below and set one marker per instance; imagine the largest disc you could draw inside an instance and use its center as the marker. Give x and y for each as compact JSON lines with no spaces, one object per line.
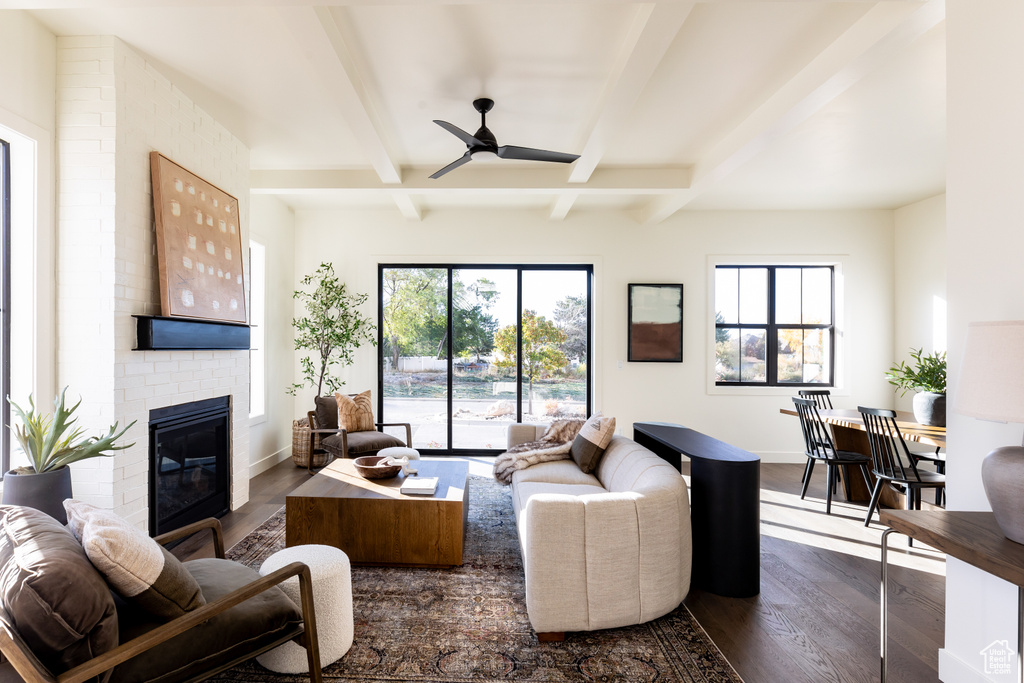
{"x":992,"y":375}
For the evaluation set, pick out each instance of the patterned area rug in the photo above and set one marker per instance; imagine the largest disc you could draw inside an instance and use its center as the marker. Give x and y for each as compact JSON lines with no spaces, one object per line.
{"x":470,"y":623}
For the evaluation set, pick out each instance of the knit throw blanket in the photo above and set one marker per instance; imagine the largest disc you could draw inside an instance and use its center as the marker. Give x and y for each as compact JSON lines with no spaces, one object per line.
{"x":526,"y":454}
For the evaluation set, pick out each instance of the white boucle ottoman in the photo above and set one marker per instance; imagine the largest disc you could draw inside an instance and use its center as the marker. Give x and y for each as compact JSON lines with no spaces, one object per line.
{"x":332,"y":601}
{"x":399,"y":452}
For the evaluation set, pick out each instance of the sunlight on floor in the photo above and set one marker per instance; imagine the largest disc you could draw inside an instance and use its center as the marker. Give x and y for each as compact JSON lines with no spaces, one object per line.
{"x":785,"y":516}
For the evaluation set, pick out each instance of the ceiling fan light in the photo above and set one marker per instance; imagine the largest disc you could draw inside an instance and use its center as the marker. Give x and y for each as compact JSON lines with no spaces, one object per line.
{"x":483,"y":155}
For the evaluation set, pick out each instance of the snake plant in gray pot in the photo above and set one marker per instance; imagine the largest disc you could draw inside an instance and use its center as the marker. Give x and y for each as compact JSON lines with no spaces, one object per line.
{"x":51,"y":441}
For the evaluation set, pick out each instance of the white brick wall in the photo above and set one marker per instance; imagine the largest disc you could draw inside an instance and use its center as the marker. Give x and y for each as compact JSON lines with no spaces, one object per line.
{"x":113,"y":109}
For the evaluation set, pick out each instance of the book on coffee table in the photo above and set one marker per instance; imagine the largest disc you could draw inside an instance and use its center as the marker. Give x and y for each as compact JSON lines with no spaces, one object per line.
{"x":420,"y":486}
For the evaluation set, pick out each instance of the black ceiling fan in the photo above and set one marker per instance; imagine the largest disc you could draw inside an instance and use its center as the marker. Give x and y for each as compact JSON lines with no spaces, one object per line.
{"x":483,"y":142}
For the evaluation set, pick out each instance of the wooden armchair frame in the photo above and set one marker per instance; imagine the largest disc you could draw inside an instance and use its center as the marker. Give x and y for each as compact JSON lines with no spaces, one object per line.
{"x":315,"y":430}
{"x":32,"y":670}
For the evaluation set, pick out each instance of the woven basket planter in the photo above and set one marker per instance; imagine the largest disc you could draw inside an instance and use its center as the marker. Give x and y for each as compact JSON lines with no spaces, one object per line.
{"x":302,"y":445}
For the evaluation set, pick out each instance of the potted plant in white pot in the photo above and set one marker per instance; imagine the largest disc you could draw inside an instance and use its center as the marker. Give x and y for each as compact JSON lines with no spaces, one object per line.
{"x":927,"y":376}
{"x":51,"y":443}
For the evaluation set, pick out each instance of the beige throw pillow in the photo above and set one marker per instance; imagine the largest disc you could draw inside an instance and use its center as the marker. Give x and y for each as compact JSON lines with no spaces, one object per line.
{"x":138,"y":568}
{"x":591,"y":442}
{"x":355,"y":413}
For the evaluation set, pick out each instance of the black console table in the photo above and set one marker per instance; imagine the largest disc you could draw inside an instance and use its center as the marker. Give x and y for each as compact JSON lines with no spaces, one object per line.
{"x":725,"y":511}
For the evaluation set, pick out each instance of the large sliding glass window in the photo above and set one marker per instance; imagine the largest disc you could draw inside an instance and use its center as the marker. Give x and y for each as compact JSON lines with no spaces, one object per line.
{"x":466,"y":350}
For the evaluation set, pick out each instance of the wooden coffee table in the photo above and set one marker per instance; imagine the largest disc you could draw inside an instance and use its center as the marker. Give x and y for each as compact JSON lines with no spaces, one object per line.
{"x":374,"y":523}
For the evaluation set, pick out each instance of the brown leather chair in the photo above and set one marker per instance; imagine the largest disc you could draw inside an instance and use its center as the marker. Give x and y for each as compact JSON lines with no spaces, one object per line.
{"x":330,"y":440}
{"x":60,"y":621}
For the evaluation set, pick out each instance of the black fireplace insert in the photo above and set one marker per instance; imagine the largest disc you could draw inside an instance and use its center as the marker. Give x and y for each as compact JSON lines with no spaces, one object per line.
{"x":189,"y":452}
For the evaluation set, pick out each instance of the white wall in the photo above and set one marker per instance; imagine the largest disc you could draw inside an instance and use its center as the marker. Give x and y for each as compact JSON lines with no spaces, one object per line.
{"x":985,"y":58}
{"x":28,"y":53}
{"x":272,"y":224}
{"x":115,"y":108}
{"x":920,"y":281}
{"x":623,"y":252}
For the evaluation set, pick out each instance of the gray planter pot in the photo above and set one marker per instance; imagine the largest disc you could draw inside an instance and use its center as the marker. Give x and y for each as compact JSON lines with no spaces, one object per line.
{"x":44,"y":491}
{"x":930,"y":409}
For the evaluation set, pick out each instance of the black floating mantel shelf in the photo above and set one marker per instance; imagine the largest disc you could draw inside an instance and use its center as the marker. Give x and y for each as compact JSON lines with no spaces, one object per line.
{"x":158,"y":333}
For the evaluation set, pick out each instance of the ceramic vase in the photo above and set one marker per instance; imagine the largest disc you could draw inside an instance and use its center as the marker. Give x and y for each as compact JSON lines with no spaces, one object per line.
{"x":930,"y":409}
{"x":44,"y":491}
{"x":1002,"y":473}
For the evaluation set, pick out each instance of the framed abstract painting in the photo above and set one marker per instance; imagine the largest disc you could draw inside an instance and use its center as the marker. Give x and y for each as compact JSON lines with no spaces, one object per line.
{"x":198,"y":245}
{"x":655,"y":323}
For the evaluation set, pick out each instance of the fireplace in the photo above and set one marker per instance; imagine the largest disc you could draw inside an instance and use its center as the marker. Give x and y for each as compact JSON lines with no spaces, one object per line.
{"x":189,"y":457}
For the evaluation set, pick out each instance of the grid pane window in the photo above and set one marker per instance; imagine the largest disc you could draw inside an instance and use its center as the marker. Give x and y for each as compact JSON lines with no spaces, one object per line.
{"x":774,"y":325}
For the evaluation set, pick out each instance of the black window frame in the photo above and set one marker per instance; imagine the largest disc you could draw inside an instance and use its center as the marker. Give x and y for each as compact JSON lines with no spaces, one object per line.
{"x":772,"y":327}
{"x":5,"y":306}
{"x":520,"y":268}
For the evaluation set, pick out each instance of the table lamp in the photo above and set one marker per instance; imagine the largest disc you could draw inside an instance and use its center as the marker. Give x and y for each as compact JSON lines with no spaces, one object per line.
{"x":992,"y":388}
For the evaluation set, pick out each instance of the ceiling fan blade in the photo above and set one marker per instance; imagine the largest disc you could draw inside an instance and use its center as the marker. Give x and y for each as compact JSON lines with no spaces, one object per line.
{"x":465,"y":158}
{"x":531,"y":154}
{"x":459,"y":133}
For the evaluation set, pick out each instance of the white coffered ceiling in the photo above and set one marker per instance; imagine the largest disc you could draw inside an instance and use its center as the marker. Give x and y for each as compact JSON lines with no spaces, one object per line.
{"x":802,"y":104}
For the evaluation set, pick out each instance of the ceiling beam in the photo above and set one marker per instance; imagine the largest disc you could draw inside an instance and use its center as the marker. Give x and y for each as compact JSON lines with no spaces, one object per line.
{"x":336,"y":63}
{"x":647,"y":39}
{"x":408,"y":206}
{"x":484,"y":179}
{"x":872,"y":42}
{"x":322,"y":41}
{"x":563,"y":204}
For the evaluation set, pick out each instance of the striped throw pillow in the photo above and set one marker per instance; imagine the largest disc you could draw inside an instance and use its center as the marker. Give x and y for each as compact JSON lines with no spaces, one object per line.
{"x":138,"y":568}
{"x":590,"y":444}
{"x":355,"y":413}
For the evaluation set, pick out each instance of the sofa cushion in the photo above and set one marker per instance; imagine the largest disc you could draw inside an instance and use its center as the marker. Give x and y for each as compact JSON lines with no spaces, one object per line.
{"x":326,"y":412}
{"x":135,"y":565}
{"x":262,"y":620}
{"x":360,"y":443}
{"x":355,"y":413}
{"x":556,"y":472}
{"x":589,"y":444}
{"x":626,"y":464}
{"x":522,"y":492}
{"x":57,"y":600}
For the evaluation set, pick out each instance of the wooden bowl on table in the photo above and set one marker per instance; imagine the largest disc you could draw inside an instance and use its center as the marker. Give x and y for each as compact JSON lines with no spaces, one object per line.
{"x":370,"y":466}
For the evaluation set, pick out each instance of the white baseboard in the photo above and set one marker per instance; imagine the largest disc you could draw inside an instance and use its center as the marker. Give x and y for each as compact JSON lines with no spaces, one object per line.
{"x":266,"y":463}
{"x":952,"y":669}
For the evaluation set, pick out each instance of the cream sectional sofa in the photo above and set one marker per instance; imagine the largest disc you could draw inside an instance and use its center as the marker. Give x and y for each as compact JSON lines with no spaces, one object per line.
{"x":601,"y":551}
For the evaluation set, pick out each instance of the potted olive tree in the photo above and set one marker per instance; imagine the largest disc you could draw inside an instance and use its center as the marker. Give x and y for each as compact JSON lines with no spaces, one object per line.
{"x":330,"y":331}
{"x":52,"y":442}
{"x":927,"y":376}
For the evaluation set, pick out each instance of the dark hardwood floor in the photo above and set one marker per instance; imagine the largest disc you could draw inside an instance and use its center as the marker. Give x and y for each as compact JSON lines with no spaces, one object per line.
{"x":817,"y":616}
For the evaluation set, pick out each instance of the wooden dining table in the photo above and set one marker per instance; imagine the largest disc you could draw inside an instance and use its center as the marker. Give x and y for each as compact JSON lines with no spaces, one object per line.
{"x":849,"y":434}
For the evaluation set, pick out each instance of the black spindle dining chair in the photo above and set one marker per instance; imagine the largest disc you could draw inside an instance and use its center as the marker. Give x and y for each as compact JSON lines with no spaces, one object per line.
{"x":822,"y":397}
{"x":818,"y":445}
{"x":892,"y":461}
{"x":822,"y":401}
